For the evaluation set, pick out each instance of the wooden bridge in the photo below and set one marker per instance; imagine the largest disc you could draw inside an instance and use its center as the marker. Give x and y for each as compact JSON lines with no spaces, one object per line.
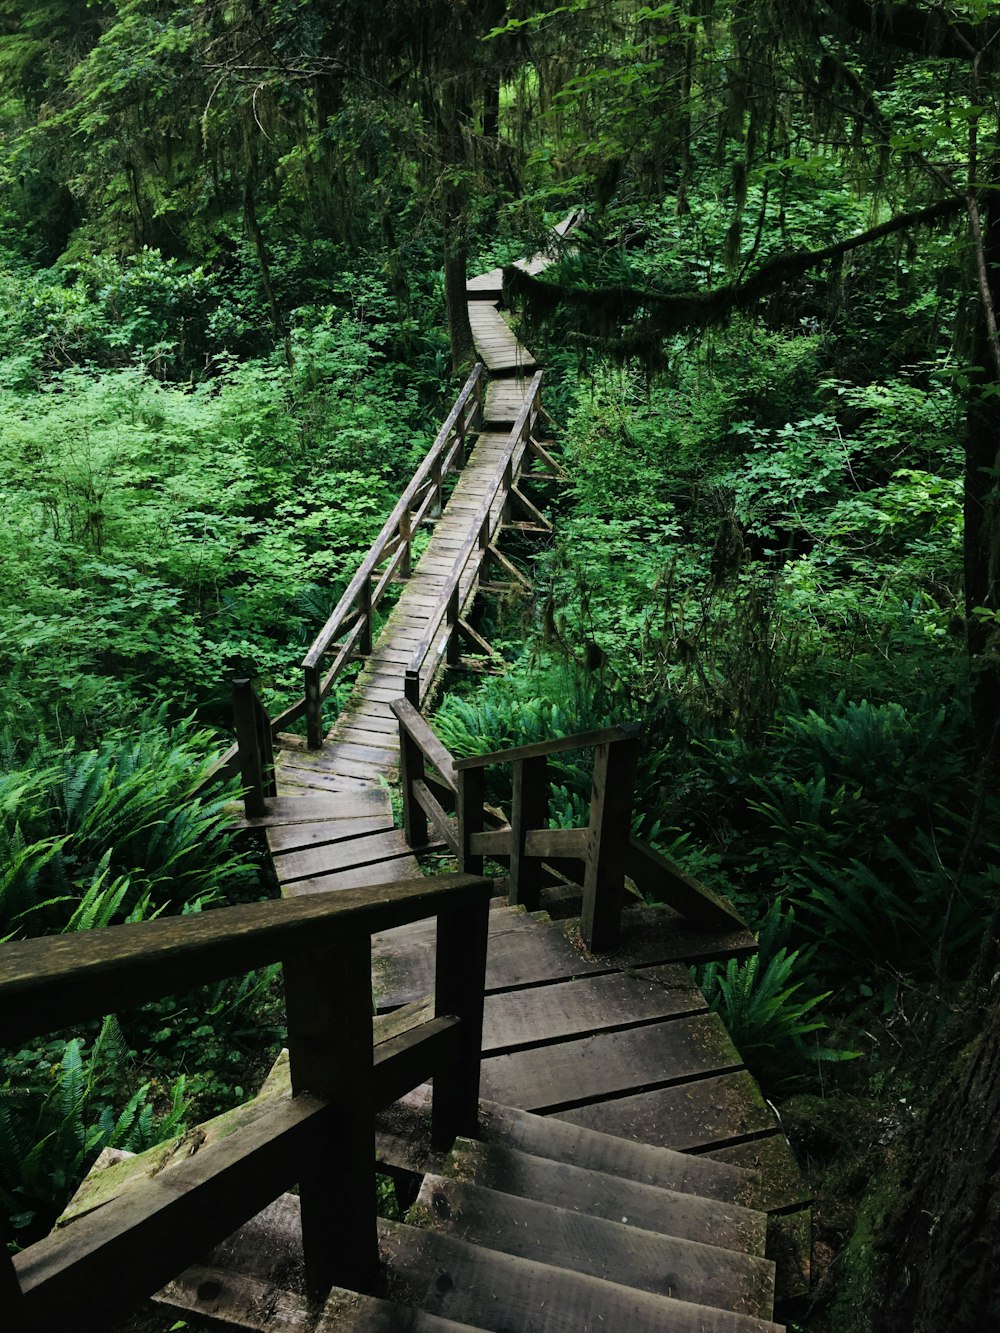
{"x":579,"y":1140}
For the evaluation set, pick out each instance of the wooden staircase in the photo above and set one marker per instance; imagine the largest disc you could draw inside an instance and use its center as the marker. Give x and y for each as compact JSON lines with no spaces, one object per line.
{"x":539,"y":1227}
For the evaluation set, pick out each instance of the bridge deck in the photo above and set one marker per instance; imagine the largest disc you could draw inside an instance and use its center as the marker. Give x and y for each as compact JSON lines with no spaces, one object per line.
{"x":624,"y":1044}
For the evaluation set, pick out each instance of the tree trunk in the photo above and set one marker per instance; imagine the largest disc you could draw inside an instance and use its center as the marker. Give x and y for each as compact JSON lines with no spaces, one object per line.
{"x":463,"y":350}
{"x":982,"y":499}
{"x":941,"y":1243}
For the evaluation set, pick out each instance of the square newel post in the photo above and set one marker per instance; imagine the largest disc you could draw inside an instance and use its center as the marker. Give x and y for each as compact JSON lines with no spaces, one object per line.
{"x":365,"y":608}
{"x":529,"y":810}
{"x":607,"y":840}
{"x":329,"y":1003}
{"x":411,"y":770}
{"x":459,"y":988}
{"x":252,"y":761}
{"x":314,"y":707}
{"x":469,"y":812}
{"x":406,"y":537}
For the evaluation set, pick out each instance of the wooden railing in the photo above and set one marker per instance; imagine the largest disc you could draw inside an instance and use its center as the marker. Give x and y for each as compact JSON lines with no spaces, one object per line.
{"x":440,"y":638}
{"x":445,"y":793}
{"x":323,"y":1137}
{"x":348,"y":632}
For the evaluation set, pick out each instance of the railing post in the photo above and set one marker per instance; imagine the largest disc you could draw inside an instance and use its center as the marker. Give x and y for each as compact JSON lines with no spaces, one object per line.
{"x":529,"y":810}
{"x":406,"y":537}
{"x":329,"y":1009}
{"x":411,"y":770}
{"x":607,"y":839}
{"x":437,"y":482}
{"x":460,"y":984}
{"x":365,"y":609}
{"x":265,"y":745}
{"x":255,"y":781}
{"x":451,"y":620}
{"x":314,"y":708}
{"x":469,"y":813}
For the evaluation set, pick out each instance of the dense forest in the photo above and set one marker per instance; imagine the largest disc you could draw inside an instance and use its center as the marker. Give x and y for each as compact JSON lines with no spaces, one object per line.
{"x":234,"y":239}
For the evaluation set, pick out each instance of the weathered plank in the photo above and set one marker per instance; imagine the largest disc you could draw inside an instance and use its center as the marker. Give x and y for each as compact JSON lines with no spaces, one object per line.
{"x":544,"y":1014}
{"x":306,"y":808}
{"x":484,"y":1286}
{"x":295,"y":837}
{"x":378,"y":872}
{"x":328,"y":858}
{"x":644,"y":1260}
{"x":714,"y":1222}
{"x":610,"y":1064}
{"x":705,"y":1113}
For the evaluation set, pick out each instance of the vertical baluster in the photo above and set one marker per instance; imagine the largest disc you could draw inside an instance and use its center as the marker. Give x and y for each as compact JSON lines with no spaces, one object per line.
{"x":328,"y":999}
{"x":607,"y":839}
{"x":451,"y":620}
{"x":314,"y":708}
{"x":365,"y":609}
{"x":529,"y":810}
{"x":460,"y":982}
{"x":411,"y":770}
{"x":469,"y":813}
{"x":437,"y":483}
{"x":406,"y":537}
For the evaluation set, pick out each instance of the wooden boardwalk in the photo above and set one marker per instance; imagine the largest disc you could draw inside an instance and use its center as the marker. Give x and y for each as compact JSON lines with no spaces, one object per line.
{"x":623,"y":1044}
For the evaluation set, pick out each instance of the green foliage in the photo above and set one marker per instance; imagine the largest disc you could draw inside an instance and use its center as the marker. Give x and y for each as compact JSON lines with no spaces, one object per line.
{"x":768,"y":1005}
{"x":55,"y":1118}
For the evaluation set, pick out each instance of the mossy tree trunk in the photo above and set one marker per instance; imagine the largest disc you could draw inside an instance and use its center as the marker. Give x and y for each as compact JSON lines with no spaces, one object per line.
{"x":940,"y":1246}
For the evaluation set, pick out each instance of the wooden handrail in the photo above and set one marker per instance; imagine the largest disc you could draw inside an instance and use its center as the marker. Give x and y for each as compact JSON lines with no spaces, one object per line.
{"x":54,"y":981}
{"x":584,"y":740}
{"x":421,"y":733}
{"x":324,"y":1138}
{"x":447,"y":598}
{"x":445,"y":452}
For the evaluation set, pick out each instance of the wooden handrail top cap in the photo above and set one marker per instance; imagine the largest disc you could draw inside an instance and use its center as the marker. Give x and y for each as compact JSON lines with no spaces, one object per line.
{"x":584,"y":740}
{"x":63,"y":980}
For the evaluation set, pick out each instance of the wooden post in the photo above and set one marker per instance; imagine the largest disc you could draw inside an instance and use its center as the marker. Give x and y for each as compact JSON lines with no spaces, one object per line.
{"x":265,"y":746}
{"x":314,"y":708}
{"x":484,"y":534}
{"x":437,"y":481}
{"x":508,"y":482}
{"x":406,"y":537}
{"x":365,"y":608}
{"x":607,"y":840}
{"x":329,"y":1006}
{"x":460,"y":983}
{"x":469,"y":813}
{"x":411,"y":770}
{"x":529,"y":810}
{"x":460,"y":428}
{"x":451,"y":620}
{"x":247,"y":738}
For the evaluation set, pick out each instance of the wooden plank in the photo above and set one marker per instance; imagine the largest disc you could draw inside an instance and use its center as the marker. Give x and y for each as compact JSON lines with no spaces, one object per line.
{"x":305,"y":808}
{"x":689,"y":1117}
{"x":324,"y":859}
{"x":603,"y":1248}
{"x":545,"y":1014}
{"x":780,"y":1185}
{"x":544,"y":1079}
{"x":660,"y":935}
{"x":294,"y":837}
{"x":557,"y":1139}
{"x":361,"y":877}
{"x":482,"y":1283}
{"x":47,"y":983}
{"x":722,"y":1225}
{"x":333,"y":765}
{"x":315,"y":780}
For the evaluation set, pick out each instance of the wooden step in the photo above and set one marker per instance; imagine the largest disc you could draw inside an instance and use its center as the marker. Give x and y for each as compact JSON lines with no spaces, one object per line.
{"x":545,"y":1136}
{"x":667,"y":1212}
{"x":507,"y":1294}
{"x":611,"y":1250}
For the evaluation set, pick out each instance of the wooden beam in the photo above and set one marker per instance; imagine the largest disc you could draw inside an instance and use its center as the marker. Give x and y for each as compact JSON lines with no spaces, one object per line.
{"x":49,"y":983}
{"x":414,"y":726}
{"x":498,"y":557}
{"x":608,"y":837}
{"x":584,"y":740}
{"x":529,"y":809}
{"x":658,"y":875}
{"x":534,"y":513}
{"x":437,"y":815}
